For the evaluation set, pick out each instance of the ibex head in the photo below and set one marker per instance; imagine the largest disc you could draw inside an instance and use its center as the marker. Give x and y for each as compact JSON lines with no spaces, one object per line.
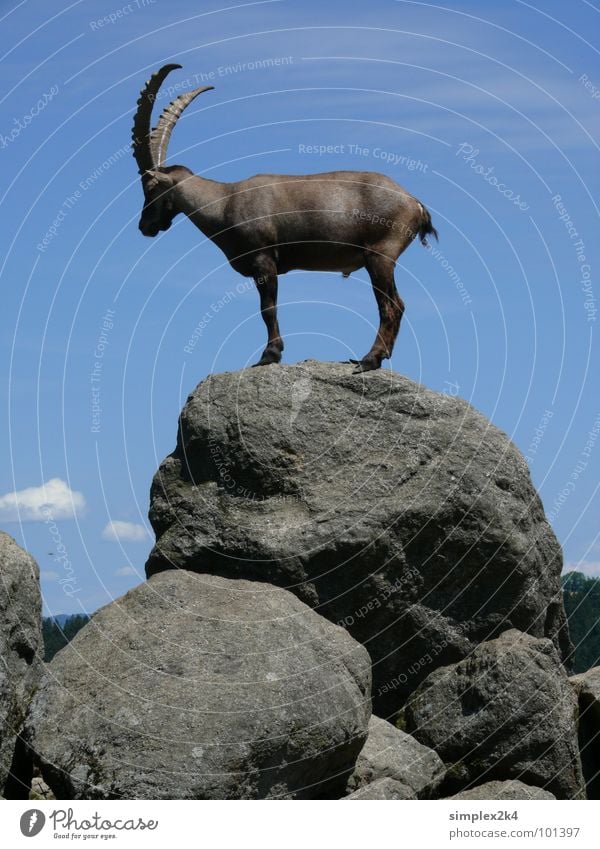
{"x":150,"y":151}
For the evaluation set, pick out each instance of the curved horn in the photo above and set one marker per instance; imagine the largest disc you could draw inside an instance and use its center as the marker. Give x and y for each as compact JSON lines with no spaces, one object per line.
{"x":142,"y":149}
{"x":160,"y":135}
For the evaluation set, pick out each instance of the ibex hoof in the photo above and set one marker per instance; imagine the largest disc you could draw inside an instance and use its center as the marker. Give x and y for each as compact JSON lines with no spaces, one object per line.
{"x":368,"y":363}
{"x":269,"y":356}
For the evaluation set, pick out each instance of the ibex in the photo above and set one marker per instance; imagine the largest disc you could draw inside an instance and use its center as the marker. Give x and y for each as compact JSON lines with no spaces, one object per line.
{"x":270,"y":224}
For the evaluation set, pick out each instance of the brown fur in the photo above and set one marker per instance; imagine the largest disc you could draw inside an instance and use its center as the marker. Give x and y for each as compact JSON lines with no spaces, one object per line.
{"x":270,"y":224}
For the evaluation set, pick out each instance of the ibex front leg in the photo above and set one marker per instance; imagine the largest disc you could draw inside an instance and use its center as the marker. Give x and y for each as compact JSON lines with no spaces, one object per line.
{"x":266,"y":283}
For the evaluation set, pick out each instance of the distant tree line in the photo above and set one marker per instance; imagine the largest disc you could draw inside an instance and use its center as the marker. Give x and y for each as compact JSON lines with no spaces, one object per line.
{"x":56,"y":636}
{"x":582,"y":604}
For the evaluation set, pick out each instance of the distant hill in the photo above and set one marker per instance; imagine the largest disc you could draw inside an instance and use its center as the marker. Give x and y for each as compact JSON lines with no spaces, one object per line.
{"x":582,"y":603}
{"x":57,"y":631}
{"x":62,"y":617}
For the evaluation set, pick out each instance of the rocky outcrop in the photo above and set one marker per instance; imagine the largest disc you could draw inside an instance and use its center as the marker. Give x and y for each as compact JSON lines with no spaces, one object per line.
{"x":390,"y":753}
{"x":382,"y":789}
{"x":198,"y":687}
{"x":587,"y":689}
{"x":20,"y":642}
{"x":504,"y":790}
{"x":505,"y":712}
{"x":401,"y":513}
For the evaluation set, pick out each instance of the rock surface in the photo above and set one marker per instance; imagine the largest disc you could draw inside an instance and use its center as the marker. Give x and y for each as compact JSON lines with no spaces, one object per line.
{"x":383,"y":788}
{"x":20,"y":644}
{"x":505,"y":712}
{"x":504,"y":790}
{"x":587,"y":689}
{"x":198,"y":687}
{"x":399,"y":512}
{"x":390,"y":753}
{"x":40,"y":790}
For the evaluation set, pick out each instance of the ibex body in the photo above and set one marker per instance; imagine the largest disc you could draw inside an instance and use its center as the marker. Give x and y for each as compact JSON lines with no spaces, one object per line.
{"x":270,"y":224}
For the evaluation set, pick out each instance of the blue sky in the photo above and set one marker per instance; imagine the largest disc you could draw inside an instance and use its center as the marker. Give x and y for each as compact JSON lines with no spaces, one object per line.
{"x":489,"y":113}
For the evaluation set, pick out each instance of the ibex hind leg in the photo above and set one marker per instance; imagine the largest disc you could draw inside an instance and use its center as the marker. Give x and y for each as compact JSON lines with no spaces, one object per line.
{"x":265,"y":278}
{"x":391,"y":309}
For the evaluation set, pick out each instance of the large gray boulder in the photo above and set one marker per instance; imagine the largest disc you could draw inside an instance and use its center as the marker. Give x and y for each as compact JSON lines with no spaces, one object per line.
{"x":587,"y":689}
{"x":504,"y":790}
{"x":390,"y":753}
{"x":198,"y":687}
{"x":20,"y":662}
{"x":401,"y":513}
{"x":506,"y":712}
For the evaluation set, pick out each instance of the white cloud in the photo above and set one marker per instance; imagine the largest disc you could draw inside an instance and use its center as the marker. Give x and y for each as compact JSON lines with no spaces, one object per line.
{"x":591,"y":568}
{"x":49,"y":575}
{"x":51,"y":501}
{"x":117,"y":531}
{"x":125,"y":571}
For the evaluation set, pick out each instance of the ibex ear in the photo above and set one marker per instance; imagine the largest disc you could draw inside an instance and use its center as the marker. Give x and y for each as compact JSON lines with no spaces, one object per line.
{"x":163,"y":180}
